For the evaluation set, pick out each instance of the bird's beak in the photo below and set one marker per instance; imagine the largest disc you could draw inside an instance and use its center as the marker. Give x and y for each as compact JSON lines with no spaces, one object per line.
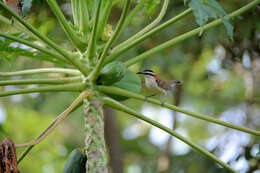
{"x":140,"y":72}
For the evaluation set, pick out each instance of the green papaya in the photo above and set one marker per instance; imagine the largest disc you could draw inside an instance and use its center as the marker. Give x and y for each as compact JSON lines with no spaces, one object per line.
{"x":111,"y":73}
{"x":76,"y":162}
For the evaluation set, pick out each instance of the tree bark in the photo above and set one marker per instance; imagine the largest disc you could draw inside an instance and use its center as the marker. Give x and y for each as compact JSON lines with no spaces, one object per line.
{"x":112,"y":141}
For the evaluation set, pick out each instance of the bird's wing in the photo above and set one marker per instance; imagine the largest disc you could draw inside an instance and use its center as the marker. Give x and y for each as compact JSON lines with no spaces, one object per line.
{"x":163,"y":84}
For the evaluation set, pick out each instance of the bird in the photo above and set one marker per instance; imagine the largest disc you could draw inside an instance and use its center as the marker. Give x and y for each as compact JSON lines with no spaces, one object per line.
{"x":15,"y":5}
{"x":154,"y":84}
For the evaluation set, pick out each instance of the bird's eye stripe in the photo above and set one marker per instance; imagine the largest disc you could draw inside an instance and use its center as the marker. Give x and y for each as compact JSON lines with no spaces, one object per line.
{"x":150,"y":74}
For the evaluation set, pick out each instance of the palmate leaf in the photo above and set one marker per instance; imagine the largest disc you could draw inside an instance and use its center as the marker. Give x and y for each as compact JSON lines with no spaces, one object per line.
{"x":217,"y":8}
{"x":10,"y":51}
{"x":205,"y":9}
{"x":201,"y":12}
{"x":18,"y":35}
{"x":229,"y":28}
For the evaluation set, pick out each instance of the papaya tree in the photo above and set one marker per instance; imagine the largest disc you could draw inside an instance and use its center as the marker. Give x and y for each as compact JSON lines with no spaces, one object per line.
{"x":93,"y":67}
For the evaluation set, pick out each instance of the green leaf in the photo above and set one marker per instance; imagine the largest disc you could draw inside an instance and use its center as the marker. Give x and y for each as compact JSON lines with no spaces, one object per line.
{"x":130,"y":82}
{"x":201,"y":12}
{"x":217,"y":8}
{"x":229,"y":28}
{"x":12,"y":50}
{"x":210,"y":9}
{"x":9,"y":53}
{"x":26,"y":6}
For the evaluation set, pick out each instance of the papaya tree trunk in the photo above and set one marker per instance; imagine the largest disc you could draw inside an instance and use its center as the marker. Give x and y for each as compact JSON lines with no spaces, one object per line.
{"x":95,"y":140}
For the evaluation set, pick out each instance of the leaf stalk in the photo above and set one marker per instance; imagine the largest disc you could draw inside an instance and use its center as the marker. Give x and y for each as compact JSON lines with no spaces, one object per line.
{"x":93,"y":38}
{"x":35,"y":46}
{"x":119,"y":50}
{"x":68,"y":55}
{"x":49,"y":81}
{"x":94,"y":74}
{"x":148,"y":27}
{"x":121,"y":92}
{"x":118,"y":106}
{"x":57,"y":88}
{"x":189,"y":34}
{"x":40,"y":70}
{"x":75,"y":39}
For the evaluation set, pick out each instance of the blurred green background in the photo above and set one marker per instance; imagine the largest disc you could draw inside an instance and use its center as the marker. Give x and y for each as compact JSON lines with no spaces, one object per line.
{"x":219,"y":79}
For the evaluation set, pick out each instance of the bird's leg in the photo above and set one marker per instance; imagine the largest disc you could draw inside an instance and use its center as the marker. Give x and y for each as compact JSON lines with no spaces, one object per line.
{"x":146,"y":97}
{"x":164,"y":98}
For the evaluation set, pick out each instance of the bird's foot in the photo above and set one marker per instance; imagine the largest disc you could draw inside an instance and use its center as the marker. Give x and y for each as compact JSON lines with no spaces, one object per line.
{"x":146,"y":97}
{"x":163,"y":102}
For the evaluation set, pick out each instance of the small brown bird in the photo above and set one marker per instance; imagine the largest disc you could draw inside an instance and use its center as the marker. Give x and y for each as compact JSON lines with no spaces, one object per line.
{"x":156,"y":85}
{"x":15,"y":5}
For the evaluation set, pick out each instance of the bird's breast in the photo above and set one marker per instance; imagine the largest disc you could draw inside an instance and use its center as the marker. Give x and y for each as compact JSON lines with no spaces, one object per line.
{"x":152,"y":86}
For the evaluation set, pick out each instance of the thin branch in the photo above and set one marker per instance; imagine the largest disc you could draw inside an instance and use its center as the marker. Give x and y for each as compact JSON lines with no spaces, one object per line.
{"x":28,"y":149}
{"x":27,"y":25}
{"x":64,"y":114}
{"x":93,"y":38}
{"x":35,"y":46}
{"x":121,"y":92}
{"x":16,"y":26}
{"x":132,"y":14}
{"x":117,"y":51}
{"x":68,"y":55}
{"x":116,"y":105}
{"x":77,"y":103}
{"x":75,"y":39}
{"x":57,"y":88}
{"x":190,"y":34}
{"x":49,"y":81}
{"x":94,"y":74}
{"x":148,"y":27}
{"x":41,"y":70}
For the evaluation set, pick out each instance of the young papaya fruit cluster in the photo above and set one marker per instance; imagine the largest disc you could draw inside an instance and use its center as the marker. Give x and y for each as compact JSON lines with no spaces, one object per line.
{"x":117,"y":75}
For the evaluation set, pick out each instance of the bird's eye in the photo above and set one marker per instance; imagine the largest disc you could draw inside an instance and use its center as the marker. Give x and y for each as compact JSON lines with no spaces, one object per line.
{"x":178,"y":82}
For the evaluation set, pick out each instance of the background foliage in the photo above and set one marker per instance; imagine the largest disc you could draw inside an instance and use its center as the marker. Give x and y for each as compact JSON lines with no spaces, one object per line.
{"x":219,"y":78}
